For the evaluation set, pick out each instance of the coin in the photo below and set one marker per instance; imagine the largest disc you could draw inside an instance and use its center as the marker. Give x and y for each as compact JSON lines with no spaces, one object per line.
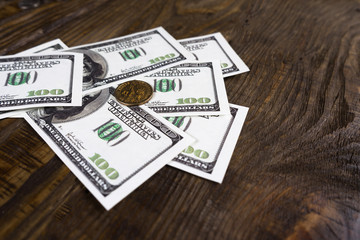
{"x":133,"y":93}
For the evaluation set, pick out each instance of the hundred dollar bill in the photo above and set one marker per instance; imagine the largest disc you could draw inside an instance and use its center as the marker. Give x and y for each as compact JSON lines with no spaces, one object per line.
{"x":215,"y":46}
{"x":40,"y":80}
{"x":209,"y":156}
{"x":50,"y":46}
{"x":111,"y":148}
{"x":110,"y":62}
{"x":189,"y":89}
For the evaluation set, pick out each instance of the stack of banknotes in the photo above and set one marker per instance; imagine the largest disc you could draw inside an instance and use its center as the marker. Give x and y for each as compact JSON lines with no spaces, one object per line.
{"x":67,"y":96}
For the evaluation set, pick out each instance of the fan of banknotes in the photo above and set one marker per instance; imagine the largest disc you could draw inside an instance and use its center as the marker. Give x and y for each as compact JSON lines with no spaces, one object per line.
{"x":68,"y":96}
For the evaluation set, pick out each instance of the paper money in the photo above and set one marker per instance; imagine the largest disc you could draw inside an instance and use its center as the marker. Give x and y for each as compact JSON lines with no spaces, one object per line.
{"x":111,"y":148}
{"x":40,"y":80}
{"x":189,"y":89}
{"x":109,"y":62}
{"x":50,"y":46}
{"x":209,"y":156}
{"x":215,"y":46}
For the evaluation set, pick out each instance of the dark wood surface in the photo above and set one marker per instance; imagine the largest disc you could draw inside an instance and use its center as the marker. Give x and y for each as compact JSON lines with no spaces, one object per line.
{"x":295,"y":171}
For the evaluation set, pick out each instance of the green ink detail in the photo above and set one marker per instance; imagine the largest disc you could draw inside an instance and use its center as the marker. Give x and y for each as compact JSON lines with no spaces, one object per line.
{"x":31,"y":94}
{"x":109,"y":131}
{"x":224,"y":65}
{"x":43,"y":92}
{"x":18,"y":78}
{"x":162,"y":58}
{"x":130,"y":54}
{"x":56,"y":91}
{"x":203,"y":100}
{"x":201,"y":154}
{"x":111,"y":173}
{"x":189,"y":150}
{"x":176,"y":121}
{"x":96,"y":156}
{"x":102,"y":163}
{"x":180,"y":101}
{"x":165,"y":85}
{"x":192,"y":100}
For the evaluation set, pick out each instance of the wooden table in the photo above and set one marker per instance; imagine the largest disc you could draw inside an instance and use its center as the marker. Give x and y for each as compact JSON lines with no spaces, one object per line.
{"x":295,"y":171}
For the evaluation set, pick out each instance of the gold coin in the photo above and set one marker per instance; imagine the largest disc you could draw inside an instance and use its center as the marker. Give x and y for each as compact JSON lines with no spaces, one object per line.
{"x":133,"y":93}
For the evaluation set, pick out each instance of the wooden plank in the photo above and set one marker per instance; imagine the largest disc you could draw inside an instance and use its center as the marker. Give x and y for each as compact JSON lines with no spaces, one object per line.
{"x":294,"y":173}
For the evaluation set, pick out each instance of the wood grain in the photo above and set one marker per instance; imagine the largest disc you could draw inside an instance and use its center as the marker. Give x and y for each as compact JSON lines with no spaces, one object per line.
{"x":295,"y":171}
